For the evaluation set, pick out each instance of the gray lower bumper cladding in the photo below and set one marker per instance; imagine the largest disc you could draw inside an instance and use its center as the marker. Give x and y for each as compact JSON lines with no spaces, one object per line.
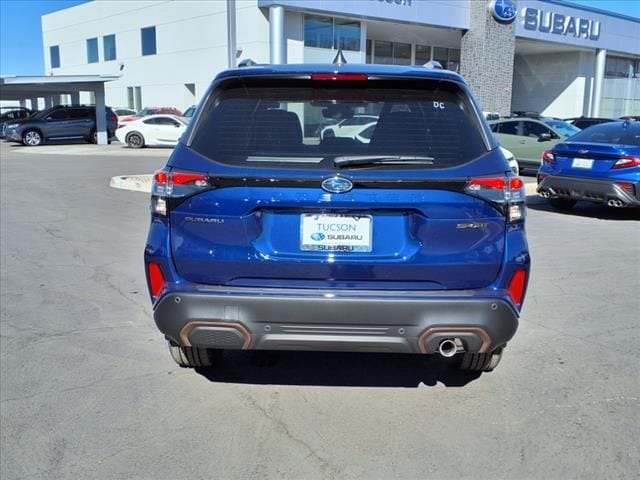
{"x":334,"y":321}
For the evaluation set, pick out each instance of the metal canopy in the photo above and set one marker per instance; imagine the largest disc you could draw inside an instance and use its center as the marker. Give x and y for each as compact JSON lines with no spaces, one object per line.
{"x":18,"y":88}
{"x":32,"y":87}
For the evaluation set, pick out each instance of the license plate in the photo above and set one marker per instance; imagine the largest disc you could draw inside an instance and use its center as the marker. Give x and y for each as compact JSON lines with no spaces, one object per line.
{"x":582,"y":163}
{"x":335,"y":233}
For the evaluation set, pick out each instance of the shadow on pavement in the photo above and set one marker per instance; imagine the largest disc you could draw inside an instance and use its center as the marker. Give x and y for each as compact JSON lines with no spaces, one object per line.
{"x":585,"y":209}
{"x":337,"y":369}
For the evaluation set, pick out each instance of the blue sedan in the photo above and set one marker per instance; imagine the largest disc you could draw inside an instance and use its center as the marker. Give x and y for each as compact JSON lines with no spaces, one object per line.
{"x":600,"y":164}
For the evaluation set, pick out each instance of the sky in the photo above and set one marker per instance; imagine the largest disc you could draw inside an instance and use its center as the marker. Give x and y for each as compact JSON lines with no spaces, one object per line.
{"x":21,"y":33}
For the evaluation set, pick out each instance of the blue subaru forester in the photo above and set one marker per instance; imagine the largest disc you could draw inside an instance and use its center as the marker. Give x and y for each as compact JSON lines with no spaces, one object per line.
{"x":405,"y":237}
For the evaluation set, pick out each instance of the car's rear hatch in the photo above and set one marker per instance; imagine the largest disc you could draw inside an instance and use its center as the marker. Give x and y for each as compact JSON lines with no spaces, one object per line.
{"x":272,"y":214}
{"x":586,"y":159}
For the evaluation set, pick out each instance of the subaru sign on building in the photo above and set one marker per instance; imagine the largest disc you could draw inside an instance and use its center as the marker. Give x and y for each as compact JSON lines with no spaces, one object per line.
{"x":558,"y":58}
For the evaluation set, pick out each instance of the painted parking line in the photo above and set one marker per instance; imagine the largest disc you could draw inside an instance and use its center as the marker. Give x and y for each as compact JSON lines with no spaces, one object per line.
{"x":92,"y":150}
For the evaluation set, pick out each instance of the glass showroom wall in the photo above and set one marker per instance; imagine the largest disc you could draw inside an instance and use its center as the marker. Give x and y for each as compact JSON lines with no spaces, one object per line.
{"x":621,"y":94}
{"x":323,"y":36}
{"x":398,"y":53}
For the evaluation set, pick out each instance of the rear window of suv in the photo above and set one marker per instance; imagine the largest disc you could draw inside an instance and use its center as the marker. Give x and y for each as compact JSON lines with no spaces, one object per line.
{"x":286,"y":123}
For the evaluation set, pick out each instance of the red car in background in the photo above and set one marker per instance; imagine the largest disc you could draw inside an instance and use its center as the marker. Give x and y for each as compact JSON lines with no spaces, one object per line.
{"x":149,"y":111}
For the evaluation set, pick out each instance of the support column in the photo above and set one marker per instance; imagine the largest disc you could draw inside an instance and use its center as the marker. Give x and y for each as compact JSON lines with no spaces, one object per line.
{"x":231,"y":34}
{"x":598,"y":82}
{"x":277,"y":42}
{"x":23,"y":103}
{"x":34,"y":103}
{"x":75,"y":98}
{"x":486,"y":58}
{"x":49,"y":101}
{"x":101,"y":116}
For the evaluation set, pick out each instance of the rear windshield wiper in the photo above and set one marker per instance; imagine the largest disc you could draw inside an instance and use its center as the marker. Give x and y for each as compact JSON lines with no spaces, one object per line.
{"x":349,"y":160}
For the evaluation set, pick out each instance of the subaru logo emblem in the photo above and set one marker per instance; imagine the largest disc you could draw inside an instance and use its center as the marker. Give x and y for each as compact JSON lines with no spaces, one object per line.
{"x":503,"y":11}
{"x":318,"y":237}
{"x":337,"y":185}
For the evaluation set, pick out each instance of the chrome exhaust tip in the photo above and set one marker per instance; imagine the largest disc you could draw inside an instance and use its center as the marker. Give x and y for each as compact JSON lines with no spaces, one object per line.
{"x":615,"y":203}
{"x":448,"y":348}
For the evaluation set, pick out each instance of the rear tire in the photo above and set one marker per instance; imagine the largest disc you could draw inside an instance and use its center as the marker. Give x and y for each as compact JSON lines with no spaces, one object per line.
{"x":135,"y":140}
{"x":562,"y":203}
{"x":194,"y":357}
{"x":480,"y":362}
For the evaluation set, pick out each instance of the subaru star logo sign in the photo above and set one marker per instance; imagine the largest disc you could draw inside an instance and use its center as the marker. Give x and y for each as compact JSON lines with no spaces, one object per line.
{"x":504,"y":11}
{"x":337,"y":185}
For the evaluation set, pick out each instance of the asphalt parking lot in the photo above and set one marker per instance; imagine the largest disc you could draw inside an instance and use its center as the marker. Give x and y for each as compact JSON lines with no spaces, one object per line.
{"x":88,"y":389}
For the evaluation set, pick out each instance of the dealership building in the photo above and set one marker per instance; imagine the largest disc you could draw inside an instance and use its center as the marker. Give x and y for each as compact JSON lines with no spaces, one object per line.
{"x":550,"y":56}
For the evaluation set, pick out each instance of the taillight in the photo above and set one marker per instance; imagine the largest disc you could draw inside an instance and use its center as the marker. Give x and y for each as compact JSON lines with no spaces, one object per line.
{"x":505,"y":193}
{"x":548,"y":158}
{"x":516,"y":286}
{"x":114,"y":118}
{"x":169,"y":184}
{"x":156,"y":279}
{"x":339,"y":76}
{"x":626,"y":162}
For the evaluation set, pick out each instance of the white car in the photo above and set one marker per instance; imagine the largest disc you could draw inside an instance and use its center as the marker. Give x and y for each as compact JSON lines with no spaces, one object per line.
{"x":349,"y":127}
{"x":153,"y":130}
{"x":511,"y":159}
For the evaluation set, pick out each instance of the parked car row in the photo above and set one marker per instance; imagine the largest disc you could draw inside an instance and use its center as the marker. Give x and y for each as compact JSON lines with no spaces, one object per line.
{"x":61,"y":122}
{"x":153,"y":126}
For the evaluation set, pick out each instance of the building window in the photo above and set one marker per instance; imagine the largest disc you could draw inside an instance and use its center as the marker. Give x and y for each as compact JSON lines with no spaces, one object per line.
{"x":449,"y":58}
{"x":134,"y":98}
{"x":318,"y":31}
{"x":138,"y":98}
{"x":402,"y":54}
{"x":92,"y":50}
{"x":109,"y":47}
{"x":148,"y":40}
{"x":423,"y":54}
{"x":392,"y":53}
{"x":346,"y":35}
{"x":327,"y":32}
{"x":54,"y":53}
{"x":620,"y":67}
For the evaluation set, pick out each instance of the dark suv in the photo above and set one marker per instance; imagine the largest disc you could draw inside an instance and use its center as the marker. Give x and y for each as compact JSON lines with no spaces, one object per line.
{"x":61,"y":122}
{"x":412,"y":240}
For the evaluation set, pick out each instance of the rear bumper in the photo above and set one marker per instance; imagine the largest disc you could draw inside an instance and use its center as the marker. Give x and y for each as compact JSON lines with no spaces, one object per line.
{"x":285,"y":319}
{"x":589,"y":189}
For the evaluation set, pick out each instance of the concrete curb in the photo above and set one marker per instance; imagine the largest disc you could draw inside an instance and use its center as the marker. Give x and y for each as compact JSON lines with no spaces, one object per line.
{"x":135,"y":183}
{"x":142,"y":183}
